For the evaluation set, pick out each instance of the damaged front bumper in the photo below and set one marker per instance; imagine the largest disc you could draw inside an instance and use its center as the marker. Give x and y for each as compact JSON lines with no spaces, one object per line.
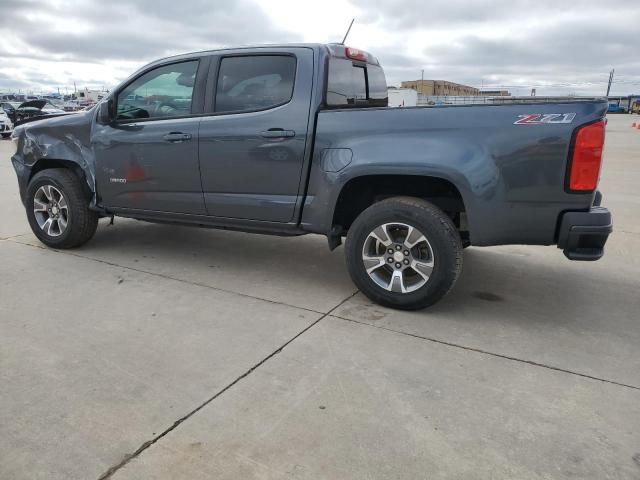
{"x":23,"y":173}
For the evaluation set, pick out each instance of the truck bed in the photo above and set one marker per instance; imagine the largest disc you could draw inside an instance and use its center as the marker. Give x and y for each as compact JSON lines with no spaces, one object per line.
{"x":508,"y":161}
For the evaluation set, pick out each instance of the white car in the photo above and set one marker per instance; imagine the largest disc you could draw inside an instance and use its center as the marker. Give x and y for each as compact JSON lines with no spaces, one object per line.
{"x":6,"y":126}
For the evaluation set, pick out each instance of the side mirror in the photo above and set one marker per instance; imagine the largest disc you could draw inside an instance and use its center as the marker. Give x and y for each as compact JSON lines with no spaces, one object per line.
{"x":104,"y":112}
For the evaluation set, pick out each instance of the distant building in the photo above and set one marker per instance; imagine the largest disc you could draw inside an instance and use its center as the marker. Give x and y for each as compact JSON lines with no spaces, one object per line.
{"x":440,"y":88}
{"x":443,"y":88}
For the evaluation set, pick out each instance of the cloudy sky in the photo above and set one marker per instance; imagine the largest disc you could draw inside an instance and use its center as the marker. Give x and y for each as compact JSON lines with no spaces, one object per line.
{"x":556,"y":46}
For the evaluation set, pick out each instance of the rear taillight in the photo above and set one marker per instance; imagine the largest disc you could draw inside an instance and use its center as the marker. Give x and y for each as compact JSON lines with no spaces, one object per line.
{"x":587,"y":157}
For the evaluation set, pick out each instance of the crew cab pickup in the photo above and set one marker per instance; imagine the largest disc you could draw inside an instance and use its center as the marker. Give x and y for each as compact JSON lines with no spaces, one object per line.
{"x":297,"y":139}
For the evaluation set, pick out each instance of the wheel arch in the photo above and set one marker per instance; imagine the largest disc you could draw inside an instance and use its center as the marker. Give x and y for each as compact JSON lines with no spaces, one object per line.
{"x":46,"y":163}
{"x":359,"y":192}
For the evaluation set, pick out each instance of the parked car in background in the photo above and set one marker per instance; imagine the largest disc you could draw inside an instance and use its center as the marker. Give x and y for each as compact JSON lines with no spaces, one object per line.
{"x":10,"y":109}
{"x":34,"y":109}
{"x":6,"y":125}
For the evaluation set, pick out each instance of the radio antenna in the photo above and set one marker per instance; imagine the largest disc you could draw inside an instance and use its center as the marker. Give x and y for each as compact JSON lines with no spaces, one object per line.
{"x":347,"y":34}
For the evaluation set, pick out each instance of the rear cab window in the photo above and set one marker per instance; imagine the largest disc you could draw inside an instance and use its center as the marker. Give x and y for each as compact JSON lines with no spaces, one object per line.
{"x":355,"y":79}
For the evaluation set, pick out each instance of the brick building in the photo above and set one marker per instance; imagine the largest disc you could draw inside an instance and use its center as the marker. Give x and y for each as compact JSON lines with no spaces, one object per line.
{"x":440,"y":88}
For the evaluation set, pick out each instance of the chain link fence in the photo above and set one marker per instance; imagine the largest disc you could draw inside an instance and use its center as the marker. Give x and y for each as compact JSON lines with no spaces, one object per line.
{"x":430,"y":100}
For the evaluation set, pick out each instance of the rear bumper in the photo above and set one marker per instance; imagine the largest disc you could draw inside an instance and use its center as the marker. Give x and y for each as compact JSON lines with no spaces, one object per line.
{"x":582,"y":235}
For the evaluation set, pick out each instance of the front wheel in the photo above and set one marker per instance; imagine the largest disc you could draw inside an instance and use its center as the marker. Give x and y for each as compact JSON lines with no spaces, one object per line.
{"x":404,"y":253}
{"x":6,"y":135}
{"x":58,"y":209}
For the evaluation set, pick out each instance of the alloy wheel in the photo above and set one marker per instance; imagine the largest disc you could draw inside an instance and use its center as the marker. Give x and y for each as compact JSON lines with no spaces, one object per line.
{"x":51,"y":210}
{"x":398,"y":257}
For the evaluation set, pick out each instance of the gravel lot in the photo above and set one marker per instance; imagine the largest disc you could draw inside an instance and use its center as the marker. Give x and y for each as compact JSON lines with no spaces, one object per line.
{"x":181,"y":353}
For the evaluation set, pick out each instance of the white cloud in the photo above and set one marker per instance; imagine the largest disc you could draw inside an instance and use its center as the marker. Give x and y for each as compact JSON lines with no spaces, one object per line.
{"x":558,"y":47}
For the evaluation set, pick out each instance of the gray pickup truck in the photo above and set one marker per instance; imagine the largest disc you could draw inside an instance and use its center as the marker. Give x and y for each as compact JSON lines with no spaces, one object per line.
{"x":297,"y":139}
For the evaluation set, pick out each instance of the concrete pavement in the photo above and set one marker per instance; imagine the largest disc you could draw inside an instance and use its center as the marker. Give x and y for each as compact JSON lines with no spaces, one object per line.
{"x":171,"y":352}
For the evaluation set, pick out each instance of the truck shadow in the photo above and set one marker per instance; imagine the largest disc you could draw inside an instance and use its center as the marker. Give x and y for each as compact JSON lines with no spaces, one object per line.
{"x":299,"y":271}
{"x":516,"y":284}
{"x":520,"y":285}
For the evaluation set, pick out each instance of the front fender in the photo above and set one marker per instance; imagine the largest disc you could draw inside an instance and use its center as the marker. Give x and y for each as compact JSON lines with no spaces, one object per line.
{"x":60,"y":141}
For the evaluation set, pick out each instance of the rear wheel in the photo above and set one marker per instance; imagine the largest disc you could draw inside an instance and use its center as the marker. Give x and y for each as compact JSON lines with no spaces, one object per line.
{"x":404,"y":253}
{"x":58,"y":209}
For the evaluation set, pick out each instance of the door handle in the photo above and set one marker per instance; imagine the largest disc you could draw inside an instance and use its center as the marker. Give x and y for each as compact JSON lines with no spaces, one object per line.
{"x":278,"y":133}
{"x":176,"y":137}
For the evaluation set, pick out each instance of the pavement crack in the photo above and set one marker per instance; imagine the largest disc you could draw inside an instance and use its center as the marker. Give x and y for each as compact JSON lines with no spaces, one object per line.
{"x":626,"y":232}
{"x":13,"y":236}
{"x":493,"y":354}
{"x":127,"y":458}
{"x":164,"y":276}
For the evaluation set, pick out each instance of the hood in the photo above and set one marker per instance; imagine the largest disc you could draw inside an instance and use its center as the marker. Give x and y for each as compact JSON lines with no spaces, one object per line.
{"x":39,"y":104}
{"x":60,"y":124}
{"x":45,"y":117}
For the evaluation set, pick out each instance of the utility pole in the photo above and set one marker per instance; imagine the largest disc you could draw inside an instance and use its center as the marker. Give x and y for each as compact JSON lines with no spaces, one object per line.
{"x":610,"y":80}
{"x":422,"y":82}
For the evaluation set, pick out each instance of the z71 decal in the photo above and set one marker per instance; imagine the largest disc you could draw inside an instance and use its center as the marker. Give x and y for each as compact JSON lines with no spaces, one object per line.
{"x":544,"y":118}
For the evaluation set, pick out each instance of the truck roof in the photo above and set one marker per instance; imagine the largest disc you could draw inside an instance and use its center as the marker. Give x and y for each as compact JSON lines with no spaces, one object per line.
{"x":242,"y":47}
{"x":334,"y":49}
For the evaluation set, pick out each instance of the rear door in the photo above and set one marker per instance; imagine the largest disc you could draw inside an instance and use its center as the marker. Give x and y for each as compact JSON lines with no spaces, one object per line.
{"x":252,"y":145}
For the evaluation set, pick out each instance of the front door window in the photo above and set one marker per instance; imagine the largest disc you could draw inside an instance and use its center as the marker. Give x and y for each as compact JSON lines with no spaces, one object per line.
{"x":165,"y":92}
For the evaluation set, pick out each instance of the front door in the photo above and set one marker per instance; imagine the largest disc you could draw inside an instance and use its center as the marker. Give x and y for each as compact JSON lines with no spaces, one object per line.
{"x":252,"y":146}
{"x":147,"y":159}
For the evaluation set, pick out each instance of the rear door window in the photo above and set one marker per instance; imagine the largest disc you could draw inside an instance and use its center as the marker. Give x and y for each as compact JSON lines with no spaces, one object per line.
{"x":254,"y":82}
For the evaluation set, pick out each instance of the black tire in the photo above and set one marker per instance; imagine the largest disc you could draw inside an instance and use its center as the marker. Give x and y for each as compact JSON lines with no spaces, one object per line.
{"x":442,"y":239}
{"x":81,"y":222}
{"x":6,"y":135}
